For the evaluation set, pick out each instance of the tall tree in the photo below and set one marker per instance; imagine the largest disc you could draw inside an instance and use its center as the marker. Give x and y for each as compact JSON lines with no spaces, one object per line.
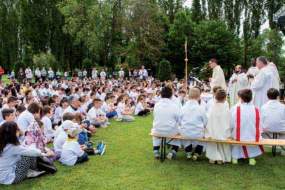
{"x":197,"y":12}
{"x":171,"y":7}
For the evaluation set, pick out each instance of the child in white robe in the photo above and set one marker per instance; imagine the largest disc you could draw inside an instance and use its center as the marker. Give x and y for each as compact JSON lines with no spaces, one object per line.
{"x":273,"y":115}
{"x":219,"y":128}
{"x":211,"y":102}
{"x":166,"y":117}
{"x":193,"y":119}
{"x":246,"y":127}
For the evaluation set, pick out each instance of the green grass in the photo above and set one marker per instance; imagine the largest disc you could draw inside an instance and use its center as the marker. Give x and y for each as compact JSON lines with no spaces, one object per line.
{"x":129,"y":164}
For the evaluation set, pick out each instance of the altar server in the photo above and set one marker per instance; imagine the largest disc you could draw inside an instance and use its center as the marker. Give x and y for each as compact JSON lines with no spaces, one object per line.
{"x":211,"y":102}
{"x":219,"y":128}
{"x":193,"y":120}
{"x":246,"y":127}
{"x":166,"y":116}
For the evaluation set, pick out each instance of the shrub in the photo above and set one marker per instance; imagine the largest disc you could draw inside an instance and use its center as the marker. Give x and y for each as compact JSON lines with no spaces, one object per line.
{"x":18,"y":65}
{"x":164,"y":70}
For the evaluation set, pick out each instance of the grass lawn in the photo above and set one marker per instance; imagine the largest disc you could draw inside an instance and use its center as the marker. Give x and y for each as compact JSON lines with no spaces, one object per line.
{"x":129,"y":164}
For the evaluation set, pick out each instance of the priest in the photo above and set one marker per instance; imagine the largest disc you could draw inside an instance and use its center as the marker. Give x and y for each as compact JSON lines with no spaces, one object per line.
{"x":262,"y":82}
{"x":238,"y":81}
{"x":218,"y":77}
{"x":252,"y":72}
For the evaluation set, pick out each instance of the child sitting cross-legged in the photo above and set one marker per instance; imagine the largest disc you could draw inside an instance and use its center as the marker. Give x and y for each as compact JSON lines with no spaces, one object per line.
{"x":141,"y":108}
{"x":246,"y":127}
{"x":166,"y":116}
{"x":193,"y":119}
{"x":72,"y":153}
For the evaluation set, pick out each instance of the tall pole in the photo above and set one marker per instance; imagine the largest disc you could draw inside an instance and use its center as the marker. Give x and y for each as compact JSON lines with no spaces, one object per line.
{"x":186,"y":66}
{"x":275,"y":43}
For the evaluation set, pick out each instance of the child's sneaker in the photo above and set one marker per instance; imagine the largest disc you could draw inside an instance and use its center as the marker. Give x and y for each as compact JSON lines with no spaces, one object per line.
{"x":156,"y":154}
{"x":189,"y":155}
{"x":212,"y":161}
{"x":102,"y":150}
{"x":119,"y":119}
{"x":234,"y":161}
{"x":195,"y":156}
{"x":252,"y":161}
{"x":171,"y":155}
{"x":100,"y":145}
{"x":282,"y":152}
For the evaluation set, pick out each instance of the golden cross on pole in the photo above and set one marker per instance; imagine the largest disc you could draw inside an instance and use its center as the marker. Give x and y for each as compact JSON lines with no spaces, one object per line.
{"x":186,"y":66}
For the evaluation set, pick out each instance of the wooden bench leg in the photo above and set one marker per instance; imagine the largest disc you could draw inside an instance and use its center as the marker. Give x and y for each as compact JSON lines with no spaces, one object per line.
{"x":163,"y":147}
{"x":274,"y":147}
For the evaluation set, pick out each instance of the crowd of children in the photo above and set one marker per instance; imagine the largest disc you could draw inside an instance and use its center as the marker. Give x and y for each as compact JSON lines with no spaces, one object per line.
{"x":64,"y":113}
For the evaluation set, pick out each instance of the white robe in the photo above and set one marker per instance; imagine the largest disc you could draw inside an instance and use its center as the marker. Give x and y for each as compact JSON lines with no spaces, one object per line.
{"x":219,"y":128}
{"x":253,"y":71}
{"x":246,"y":127}
{"x":274,"y":70}
{"x":211,"y":102}
{"x":235,"y":87}
{"x":192,"y":119}
{"x":273,"y":116}
{"x":262,"y":82}
{"x":218,"y":78}
{"x":166,"y":118}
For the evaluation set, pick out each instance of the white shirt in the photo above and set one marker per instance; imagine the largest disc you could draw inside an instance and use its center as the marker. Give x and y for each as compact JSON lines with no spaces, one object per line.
{"x":29,"y":73}
{"x":48,"y":131}
{"x":105,"y":107}
{"x":120,"y":109}
{"x":193,"y":119}
{"x":59,"y":141}
{"x":166,"y":117}
{"x":70,"y":152}
{"x":69,"y":109}
{"x":50,"y":73}
{"x":262,"y":82}
{"x":38,"y":73}
{"x":143,"y":72}
{"x":93,"y":112}
{"x":121,"y":73}
{"x":58,"y":132}
{"x":25,"y":119}
{"x":139,"y":108}
{"x":103,"y":74}
{"x":273,"y":116}
{"x":177,"y":102}
{"x":58,"y":114}
{"x":103,"y":96}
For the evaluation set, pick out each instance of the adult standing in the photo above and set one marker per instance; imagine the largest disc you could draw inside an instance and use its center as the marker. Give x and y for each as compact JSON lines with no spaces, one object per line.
{"x":121,"y":73}
{"x":94,"y":73}
{"x":21,"y":75}
{"x":103,"y":74}
{"x":238,"y":81}
{"x":37,"y":74}
{"x":58,"y":75}
{"x":275,"y":73}
{"x":85,"y":73}
{"x":143,"y":73}
{"x":50,"y":74}
{"x":43,"y":74}
{"x":218,"y":77}
{"x":252,"y":72}
{"x":29,"y":74}
{"x":1,"y":73}
{"x":262,"y":82}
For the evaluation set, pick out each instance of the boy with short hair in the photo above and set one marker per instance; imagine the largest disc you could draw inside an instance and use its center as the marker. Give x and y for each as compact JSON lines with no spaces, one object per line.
{"x":246,"y":127}
{"x":166,"y":117}
{"x":96,"y":116}
{"x":8,"y":115}
{"x":193,"y":119}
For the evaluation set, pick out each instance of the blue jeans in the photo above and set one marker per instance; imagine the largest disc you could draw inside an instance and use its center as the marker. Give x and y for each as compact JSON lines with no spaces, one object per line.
{"x":111,"y":114}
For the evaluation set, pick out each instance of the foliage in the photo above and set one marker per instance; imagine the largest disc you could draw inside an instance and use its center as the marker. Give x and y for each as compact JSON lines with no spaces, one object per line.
{"x":45,"y":60}
{"x":87,"y":64}
{"x":164,"y":70}
{"x":17,"y":66}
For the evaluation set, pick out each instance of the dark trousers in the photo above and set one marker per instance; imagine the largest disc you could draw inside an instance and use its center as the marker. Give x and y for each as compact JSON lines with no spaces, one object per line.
{"x":83,"y":158}
{"x":144,"y":112}
{"x":43,"y":78}
{"x":173,"y":148}
{"x":198,"y":149}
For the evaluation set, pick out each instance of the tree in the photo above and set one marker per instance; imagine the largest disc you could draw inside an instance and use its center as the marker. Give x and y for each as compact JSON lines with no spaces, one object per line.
{"x":197,"y":13}
{"x":164,"y":70}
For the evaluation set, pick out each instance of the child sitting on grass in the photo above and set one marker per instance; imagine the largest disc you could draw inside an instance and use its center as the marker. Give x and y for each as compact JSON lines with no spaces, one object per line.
{"x":123,"y":113}
{"x":246,"y":127}
{"x":72,"y":153}
{"x":141,"y":108}
{"x":48,"y":131}
{"x":219,"y":128}
{"x":193,"y":120}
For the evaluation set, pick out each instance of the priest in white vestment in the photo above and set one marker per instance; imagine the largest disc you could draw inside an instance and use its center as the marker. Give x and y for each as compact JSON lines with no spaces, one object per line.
{"x":252,"y":72}
{"x":238,"y":81}
{"x":275,"y":72}
{"x":218,"y":77}
{"x":262,"y":82}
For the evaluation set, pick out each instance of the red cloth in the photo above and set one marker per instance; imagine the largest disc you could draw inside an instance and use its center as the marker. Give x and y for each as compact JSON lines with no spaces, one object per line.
{"x":1,"y":71}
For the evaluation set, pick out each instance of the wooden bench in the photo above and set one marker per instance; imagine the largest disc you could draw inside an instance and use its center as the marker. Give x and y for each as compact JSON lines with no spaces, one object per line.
{"x":274,"y":136}
{"x":266,"y":142}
